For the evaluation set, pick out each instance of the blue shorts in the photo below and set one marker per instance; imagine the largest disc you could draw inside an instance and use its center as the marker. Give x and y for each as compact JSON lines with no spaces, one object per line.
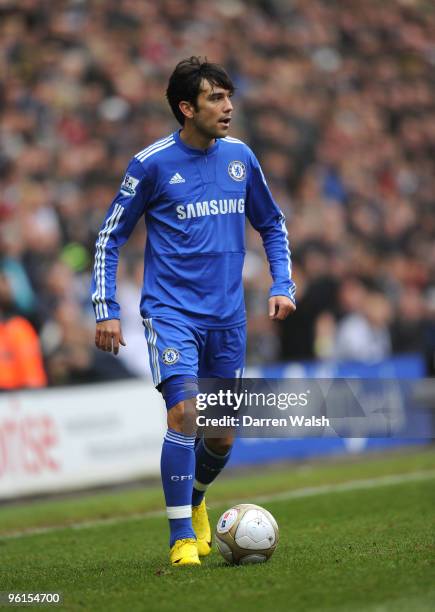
{"x":177,"y":346}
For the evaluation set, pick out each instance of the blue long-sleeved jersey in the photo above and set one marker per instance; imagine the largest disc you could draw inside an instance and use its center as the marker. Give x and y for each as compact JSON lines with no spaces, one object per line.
{"x":194,"y":203}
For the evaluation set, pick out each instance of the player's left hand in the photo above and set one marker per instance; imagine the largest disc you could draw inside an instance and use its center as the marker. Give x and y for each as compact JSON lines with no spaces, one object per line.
{"x":280,"y":307}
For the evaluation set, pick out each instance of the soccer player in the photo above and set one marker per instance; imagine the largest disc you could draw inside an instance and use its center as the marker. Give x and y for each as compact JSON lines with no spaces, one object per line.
{"x":194,"y":188}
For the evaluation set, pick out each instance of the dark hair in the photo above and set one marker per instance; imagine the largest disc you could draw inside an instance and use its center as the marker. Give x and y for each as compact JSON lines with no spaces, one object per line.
{"x":185,"y":82}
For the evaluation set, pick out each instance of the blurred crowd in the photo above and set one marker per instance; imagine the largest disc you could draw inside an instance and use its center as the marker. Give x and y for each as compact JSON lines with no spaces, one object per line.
{"x":337,"y":100}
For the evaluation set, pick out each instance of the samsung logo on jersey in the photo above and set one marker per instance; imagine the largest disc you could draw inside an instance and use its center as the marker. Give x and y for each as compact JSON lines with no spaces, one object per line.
{"x":214,"y":207}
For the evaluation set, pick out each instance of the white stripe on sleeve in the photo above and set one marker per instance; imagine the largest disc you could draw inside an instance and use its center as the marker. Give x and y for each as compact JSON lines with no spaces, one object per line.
{"x":98,"y":297}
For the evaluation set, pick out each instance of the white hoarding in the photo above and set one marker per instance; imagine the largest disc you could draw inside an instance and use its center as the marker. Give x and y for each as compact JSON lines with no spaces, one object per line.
{"x":73,"y":437}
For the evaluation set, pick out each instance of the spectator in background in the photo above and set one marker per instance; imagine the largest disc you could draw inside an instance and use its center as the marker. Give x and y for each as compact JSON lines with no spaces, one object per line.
{"x":317,"y":286}
{"x":71,"y":359}
{"x":363,"y":335}
{"x":21,"y":364}
{"x":135,"y":355}
{"x":409,"y":327}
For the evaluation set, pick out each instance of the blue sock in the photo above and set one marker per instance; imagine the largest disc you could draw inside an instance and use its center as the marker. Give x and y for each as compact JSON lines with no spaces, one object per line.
{"x":177,"y":469}
{"x":208,"y":466}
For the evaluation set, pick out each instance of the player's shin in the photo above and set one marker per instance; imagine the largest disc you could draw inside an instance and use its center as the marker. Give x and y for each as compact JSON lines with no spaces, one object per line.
{"x":177,"y":470}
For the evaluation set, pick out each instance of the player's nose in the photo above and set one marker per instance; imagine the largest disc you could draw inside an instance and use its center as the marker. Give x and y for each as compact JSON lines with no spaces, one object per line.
{"x":228,"y":105}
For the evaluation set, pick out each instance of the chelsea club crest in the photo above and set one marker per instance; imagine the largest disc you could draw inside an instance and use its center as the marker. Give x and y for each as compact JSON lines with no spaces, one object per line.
{"x":170,"y":356}
{"x":237,"y":170}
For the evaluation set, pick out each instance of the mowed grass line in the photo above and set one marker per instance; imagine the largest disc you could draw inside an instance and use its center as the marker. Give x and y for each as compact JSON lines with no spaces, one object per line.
{"x":368,"y":550}
{"x":239,"y":485}
{"x":367,"y":483}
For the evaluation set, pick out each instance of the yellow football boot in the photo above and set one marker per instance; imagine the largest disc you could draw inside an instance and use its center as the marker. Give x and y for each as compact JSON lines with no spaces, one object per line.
{"x":201,"y":527}
{"x":184,"y":552}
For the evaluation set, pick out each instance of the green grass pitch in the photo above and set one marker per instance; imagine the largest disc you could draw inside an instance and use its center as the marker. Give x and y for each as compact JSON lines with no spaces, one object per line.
{"x":354,"y":535}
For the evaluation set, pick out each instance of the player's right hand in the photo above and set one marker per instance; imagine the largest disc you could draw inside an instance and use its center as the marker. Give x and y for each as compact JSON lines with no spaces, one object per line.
{"x":108,"y":336}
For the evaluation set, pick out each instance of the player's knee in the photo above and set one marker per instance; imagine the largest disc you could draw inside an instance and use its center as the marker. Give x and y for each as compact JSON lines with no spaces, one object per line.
{"x":182,"y":417}
{"x":180,"y":394}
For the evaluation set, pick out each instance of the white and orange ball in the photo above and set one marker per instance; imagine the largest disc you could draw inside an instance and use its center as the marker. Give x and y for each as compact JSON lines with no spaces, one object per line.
{"x":246,"y":533}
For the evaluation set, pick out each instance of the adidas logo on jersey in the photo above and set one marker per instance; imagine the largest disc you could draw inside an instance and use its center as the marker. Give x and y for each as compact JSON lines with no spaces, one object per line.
{"x":177,"y":178}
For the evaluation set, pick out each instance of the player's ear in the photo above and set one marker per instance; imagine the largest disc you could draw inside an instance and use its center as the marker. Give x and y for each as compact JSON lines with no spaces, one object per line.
{"x":186,"y":108}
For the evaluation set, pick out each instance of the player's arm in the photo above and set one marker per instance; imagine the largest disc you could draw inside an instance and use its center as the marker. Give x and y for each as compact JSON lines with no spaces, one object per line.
{"x":126,"y":209}
{"x":266,"y":217}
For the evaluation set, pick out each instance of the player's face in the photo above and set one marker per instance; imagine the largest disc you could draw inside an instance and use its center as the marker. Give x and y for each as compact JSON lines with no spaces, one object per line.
{"x":213,"y":112}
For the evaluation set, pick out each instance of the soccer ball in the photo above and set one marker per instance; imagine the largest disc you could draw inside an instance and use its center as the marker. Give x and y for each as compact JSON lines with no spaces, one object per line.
{"x":246,"y":533}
